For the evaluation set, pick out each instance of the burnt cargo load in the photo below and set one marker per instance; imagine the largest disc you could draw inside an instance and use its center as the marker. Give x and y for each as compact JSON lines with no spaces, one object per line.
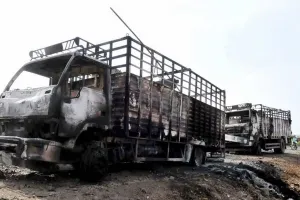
{"x":118,"y":101}
{"x":255,"y":127}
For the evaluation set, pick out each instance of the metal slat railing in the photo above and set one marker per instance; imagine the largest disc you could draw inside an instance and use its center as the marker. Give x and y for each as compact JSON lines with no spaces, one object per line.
{"x":129,"y":56}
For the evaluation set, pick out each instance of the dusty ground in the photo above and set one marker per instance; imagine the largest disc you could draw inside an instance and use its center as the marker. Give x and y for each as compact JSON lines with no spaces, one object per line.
{"x":240,"y":177}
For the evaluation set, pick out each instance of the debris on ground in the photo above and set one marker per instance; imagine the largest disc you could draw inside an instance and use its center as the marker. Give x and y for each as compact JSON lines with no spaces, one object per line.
{"x":239,"y":177}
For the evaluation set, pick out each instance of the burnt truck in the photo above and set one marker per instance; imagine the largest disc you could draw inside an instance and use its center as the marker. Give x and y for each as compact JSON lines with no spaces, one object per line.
{"x":252,"y":128}
{"x":118,"y":101}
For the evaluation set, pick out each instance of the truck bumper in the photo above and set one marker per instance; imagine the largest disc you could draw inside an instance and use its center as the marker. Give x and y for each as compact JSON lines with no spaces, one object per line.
{"x":36,"y":149}
{"x":238,"y":139}
{"x":238,"y":143}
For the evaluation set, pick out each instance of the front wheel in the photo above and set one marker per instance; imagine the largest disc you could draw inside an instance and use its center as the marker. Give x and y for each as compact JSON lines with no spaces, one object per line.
{"x":93,"y":164}
{"x":199,"y":157}
{"x":257,"y":149}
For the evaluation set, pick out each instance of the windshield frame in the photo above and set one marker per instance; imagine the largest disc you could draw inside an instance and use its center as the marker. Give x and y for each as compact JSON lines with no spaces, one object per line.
{"x":231,"y":113}
{"x":30,"y":65}
{"x":66,"y":60}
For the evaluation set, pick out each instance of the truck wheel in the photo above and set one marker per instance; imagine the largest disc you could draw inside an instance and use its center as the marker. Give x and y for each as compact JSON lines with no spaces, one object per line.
{"x":257,"y":149}
{"x":199,"y":157}
{"x":282,"y":147}
{"x":93,"y":164}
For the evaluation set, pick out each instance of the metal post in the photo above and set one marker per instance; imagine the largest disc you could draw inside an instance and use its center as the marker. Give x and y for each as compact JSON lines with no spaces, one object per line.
{"x":180,"y":108}
{"x":140,"y":100}
{"x":171,"y":112}
{"x":140,"y":90}
{"x":151,"y":89}
{"x":194,"y":104}
{"x":189,"y":103}
{"x":161,"y":101}
{"x":127,"y":87}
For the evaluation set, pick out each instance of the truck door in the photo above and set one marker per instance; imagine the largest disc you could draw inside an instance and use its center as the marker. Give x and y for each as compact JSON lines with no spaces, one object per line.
{"x":84,"y":101}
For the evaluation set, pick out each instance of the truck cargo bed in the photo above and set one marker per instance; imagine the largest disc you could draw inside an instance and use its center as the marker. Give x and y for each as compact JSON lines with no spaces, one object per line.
{"x":197,"y":120}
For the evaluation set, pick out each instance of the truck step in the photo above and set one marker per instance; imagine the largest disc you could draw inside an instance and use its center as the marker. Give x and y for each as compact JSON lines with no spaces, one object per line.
{"x":272,"y":145}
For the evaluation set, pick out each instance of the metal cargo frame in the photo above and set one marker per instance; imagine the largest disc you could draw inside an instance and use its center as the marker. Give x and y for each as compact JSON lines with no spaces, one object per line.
{"x":129,"y":56}
{"x":273,"y":112}
{"x":280,"y":121}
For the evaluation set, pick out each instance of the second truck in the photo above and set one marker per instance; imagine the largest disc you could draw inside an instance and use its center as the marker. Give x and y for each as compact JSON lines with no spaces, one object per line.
{"x":252,"y":128}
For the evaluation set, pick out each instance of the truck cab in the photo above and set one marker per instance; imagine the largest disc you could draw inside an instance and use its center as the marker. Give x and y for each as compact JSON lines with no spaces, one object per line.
{"x":239,"y":123}
{"x":51,"y":101}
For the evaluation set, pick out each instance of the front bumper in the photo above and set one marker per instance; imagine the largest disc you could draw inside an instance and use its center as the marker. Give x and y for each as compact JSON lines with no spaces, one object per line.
{"x":238,"y":139}
{"x":35,"y":149}
{"x":238,"y":142}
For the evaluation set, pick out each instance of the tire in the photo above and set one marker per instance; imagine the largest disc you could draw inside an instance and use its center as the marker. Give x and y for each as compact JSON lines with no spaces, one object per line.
{"x":281,"y":150}
{"x":93,"y":164}
{"x":257,"y":149}
{"x":199,"y":157}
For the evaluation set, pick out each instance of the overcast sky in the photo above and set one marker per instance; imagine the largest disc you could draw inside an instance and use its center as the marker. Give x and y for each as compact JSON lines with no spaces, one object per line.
{"x":247,"y":47}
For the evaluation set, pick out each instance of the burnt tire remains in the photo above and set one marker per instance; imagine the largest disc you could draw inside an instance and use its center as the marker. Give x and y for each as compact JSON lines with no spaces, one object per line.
{"x":93,"y":164}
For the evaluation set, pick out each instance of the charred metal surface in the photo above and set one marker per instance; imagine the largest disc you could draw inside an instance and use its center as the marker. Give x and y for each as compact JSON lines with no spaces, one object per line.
{"x":203,"y":125}
{"x":25,"y":103}
{"x":158,"y":90}
{"x":205,"y":122}
{"x":273,"y":123}
{"x":90,"y":104}
{"x":171,"y":108}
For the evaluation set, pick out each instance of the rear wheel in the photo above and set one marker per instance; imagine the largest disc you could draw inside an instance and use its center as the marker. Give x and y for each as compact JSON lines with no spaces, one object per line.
{"x":199,"y":157}
{"x":282,"y":147}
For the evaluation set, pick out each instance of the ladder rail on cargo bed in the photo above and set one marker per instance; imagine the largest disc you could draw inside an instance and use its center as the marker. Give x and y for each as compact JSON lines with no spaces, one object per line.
{"x":62,"y":47}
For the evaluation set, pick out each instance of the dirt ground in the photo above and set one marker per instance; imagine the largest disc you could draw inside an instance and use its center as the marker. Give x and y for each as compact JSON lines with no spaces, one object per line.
{"x":269,"y":176}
